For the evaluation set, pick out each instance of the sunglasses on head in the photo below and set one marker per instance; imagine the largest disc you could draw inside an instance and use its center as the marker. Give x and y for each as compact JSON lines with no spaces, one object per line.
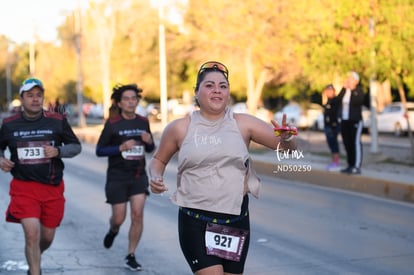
{"x":214,"y":65}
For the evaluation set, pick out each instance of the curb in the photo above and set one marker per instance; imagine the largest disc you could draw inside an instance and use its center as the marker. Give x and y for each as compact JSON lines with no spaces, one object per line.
{"x":357,"y":183}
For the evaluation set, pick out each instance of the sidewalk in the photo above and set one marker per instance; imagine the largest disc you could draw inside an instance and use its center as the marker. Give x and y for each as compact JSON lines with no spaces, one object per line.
{"x":388,"y":174}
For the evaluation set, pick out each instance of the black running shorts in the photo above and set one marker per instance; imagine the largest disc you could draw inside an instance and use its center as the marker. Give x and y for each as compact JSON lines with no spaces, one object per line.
{"x":120,"y":192}
{"x":192,"y":239}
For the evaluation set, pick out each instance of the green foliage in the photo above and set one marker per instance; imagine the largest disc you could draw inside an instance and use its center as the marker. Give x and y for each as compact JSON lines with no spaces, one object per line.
{"x":297,"y":90}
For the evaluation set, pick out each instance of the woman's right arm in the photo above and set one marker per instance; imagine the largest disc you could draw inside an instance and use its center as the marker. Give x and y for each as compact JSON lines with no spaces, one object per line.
{"x":169,"y":145}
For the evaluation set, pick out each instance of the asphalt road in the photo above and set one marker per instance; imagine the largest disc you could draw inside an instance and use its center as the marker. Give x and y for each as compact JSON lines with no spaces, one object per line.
{"x":297,"y":228}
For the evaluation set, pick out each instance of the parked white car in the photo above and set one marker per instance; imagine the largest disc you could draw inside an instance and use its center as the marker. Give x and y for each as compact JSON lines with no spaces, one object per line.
{"x":366,"y":120}
{"x":240,"y":107}
{"x":178,"y":108}
{"x":392,"y":120}
{"x":262,"y":113}
{"x":297,"y":116}
{"x":95,"y":111}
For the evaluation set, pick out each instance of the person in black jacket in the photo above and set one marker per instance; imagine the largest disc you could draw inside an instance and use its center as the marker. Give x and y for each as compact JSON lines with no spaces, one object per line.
{"x":125,"y":139}
{"x":351,"y":99}
{"x":331,"y":125}
{"x":37,"y":141}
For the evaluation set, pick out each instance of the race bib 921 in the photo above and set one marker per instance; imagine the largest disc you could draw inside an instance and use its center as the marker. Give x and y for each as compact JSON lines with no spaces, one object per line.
{"x":224,"y":241}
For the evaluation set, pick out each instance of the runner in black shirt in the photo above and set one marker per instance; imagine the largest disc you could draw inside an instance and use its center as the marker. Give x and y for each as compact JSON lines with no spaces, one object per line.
{"x":37,"y":140}
{"x":125,"y":139}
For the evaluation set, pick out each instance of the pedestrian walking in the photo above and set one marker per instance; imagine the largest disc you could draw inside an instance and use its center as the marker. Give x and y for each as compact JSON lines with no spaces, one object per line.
{"x":125,"y":139}
{"x":37,"y":141}
{"x":215,"y":173}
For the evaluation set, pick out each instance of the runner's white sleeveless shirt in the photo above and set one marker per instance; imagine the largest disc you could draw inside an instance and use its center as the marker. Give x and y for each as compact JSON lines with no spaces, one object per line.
{"x":212,"y":166}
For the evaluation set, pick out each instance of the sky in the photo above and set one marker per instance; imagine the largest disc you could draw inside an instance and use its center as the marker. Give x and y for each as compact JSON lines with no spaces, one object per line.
{"x":19,"y":19}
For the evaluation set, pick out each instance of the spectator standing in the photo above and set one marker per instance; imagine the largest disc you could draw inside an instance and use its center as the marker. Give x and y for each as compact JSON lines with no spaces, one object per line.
{"x":215,"y":173}
{"x":37,"y":141}
{"x":331,"y":125}
{"x":125,"y":139}
{"x":351,"y":98}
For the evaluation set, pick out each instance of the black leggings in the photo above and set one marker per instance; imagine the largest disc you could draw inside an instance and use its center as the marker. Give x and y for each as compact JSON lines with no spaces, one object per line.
{"x":351,"y":136}
{"x":192,"y":231}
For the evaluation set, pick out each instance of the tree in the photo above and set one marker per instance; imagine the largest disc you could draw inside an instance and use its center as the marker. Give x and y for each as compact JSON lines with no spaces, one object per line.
{"x":286,"y":48}
{"x":249,"y":37}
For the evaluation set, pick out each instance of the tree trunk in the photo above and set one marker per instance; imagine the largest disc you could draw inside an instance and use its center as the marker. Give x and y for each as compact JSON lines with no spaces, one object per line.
{"x":254,"y":88}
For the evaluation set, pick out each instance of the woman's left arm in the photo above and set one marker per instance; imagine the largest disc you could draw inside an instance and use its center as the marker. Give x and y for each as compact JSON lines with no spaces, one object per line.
{"x":257,"y":130}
